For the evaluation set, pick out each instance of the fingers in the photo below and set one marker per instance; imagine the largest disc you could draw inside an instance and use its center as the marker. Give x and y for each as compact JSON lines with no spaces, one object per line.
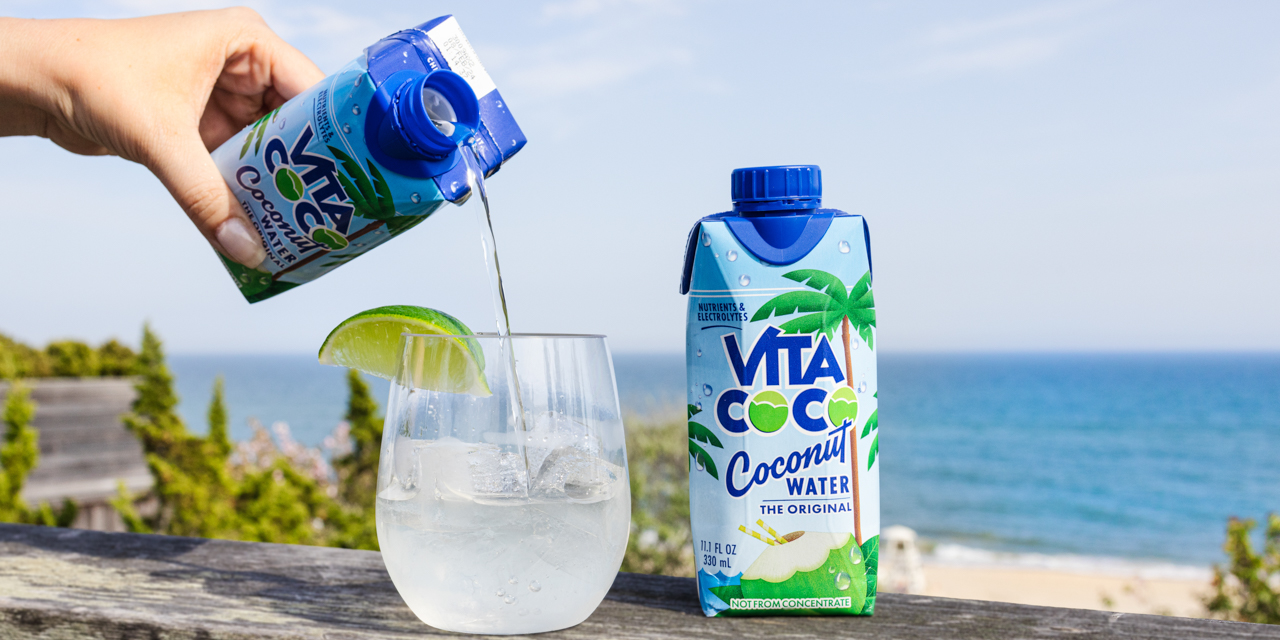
{"x":258,"y":62}
{"x":291,"y":72}
{"x":189,"y":173}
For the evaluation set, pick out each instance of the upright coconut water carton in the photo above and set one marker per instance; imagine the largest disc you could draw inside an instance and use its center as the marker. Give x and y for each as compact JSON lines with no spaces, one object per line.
{"x":366,"y":154}
{"x":784,"y":483}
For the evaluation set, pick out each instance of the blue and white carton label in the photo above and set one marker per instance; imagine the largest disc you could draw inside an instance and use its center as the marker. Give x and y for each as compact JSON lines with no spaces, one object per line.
{"x":783,"y":427}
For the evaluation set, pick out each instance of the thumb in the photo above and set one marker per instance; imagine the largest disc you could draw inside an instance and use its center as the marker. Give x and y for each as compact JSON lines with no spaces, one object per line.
{"x":192,"y":178}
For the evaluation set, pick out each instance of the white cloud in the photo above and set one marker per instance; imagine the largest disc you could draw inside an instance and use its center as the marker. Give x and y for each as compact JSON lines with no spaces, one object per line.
{"x":1007,"y":42}
{"x":579,"y":9}
{"x":1010,"y":55}
{"x":606,"y":43}
{"x":964,"y":30}
{"x":573,"y":9}
{"x":561,"y":75}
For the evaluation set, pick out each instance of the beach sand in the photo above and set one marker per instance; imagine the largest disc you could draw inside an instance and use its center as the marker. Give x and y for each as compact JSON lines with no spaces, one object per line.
{"x":1131,"y":593}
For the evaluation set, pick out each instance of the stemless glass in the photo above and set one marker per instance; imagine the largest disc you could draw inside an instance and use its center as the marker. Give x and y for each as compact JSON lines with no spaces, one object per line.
{"x":503,"y":502}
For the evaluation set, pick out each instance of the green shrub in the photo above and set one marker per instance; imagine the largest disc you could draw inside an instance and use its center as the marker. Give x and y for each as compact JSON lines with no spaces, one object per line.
{"x":18,"y":456}
{"x":116,"y":359}
{"x":1248,"y":588}
{"x":193,"y":487}
{"x":65,"y":358}
{"x":18,"y":360}
{"x":72,"y":359}
{"x":658,"y":461}
{"x":264,"y":490}
{"x":357,"y":469}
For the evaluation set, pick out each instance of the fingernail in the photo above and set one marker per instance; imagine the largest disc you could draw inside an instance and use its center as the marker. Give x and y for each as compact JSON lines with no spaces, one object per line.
{"x":241,"y":243}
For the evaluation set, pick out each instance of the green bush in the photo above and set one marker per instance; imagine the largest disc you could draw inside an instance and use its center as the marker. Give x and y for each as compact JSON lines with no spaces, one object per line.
{"x":1248,"y":588}
{"x":266,"y":490}
{"x":193,"y":487}
{"x":116,"y":360}
{"x":18,"y":360}
{"x":65,"y":358}
{"x":658,"y":461}
{"x":357,"y":469}
{"x":18,"y":456}
{"x":71,"y":359}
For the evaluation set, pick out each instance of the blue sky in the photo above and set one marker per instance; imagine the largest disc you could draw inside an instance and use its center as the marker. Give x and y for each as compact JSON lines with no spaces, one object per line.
{"x":1037,"y":176}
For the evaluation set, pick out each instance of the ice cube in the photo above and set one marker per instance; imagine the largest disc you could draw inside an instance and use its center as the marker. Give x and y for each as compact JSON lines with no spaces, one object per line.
{"x":569,"y":473}
{"x":396,"y":491}
{"x":451,"y":469}
{"x":550,"y":431}
{"x":495,"y":472}
{"x":444,"y":468}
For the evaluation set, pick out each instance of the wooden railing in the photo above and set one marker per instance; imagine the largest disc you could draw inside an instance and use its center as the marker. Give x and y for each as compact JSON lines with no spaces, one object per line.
{"x":64,"y":583}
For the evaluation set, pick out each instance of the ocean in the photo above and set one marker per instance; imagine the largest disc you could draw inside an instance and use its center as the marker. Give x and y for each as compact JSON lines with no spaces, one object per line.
{"x":1034,"y":459}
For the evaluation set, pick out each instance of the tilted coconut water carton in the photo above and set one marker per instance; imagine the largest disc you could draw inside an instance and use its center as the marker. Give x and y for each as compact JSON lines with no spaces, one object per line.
{"x":366,"y":154}
{"x":783,"y":427}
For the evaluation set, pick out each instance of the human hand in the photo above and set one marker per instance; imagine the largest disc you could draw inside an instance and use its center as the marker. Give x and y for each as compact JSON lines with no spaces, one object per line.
{"x":162,"y":91}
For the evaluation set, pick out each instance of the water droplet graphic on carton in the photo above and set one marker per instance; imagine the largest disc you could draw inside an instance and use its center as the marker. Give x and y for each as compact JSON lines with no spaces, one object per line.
{"x":355,"y":110}
{"x":731,"y":255}
{"x":415,"y":197}
{"x":500,"y":593}
{"x":706,"y":389}
{"x":744,"y":279}
{"x":706,"y":240}
{"x":512,"y":580}
{"x":862,"y":387}
{"x":509,"y":599}
{"x":844,"y":246}
{"x":700,"y":465}
{"x":699,"y":353}
{"x":831,"y":569}
{"x":698,"y":405}
{"x":534,"y":586}
{"x":346,"y":128}
{"x":853,"y":344}
{"x":855,"y":555}
{"x":843,"y":580}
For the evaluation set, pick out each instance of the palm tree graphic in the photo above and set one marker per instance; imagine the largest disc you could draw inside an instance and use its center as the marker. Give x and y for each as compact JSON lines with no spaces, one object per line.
{"x":699,"y":433}
{"x":828,"y":306}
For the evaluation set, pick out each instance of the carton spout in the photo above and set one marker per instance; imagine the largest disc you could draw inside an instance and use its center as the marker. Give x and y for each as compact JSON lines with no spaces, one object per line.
{"x":440,"y":45}
{"x":422,"y":118}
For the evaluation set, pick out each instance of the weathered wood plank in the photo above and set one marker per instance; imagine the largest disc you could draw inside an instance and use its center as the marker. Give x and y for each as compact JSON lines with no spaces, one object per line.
{"x":60,"y":583}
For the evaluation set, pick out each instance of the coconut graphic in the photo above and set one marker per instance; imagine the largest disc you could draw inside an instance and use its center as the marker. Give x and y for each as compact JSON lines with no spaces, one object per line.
{"x":808,"y":564}
{"x":289,"y":184}
{"x":332,"y":240}
{"x":768,"y":411}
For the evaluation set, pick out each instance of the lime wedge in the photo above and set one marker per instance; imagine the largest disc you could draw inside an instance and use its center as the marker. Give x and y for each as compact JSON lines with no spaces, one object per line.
{"x":370,"y":342}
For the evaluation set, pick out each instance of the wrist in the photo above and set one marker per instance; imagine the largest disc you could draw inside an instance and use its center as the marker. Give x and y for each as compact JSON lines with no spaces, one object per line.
{"x":28,"y":92}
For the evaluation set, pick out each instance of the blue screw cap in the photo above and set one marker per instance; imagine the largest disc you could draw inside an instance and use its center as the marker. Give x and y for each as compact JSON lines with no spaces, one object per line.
{"x":409,"y":133}
{"x":780,"y":188}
